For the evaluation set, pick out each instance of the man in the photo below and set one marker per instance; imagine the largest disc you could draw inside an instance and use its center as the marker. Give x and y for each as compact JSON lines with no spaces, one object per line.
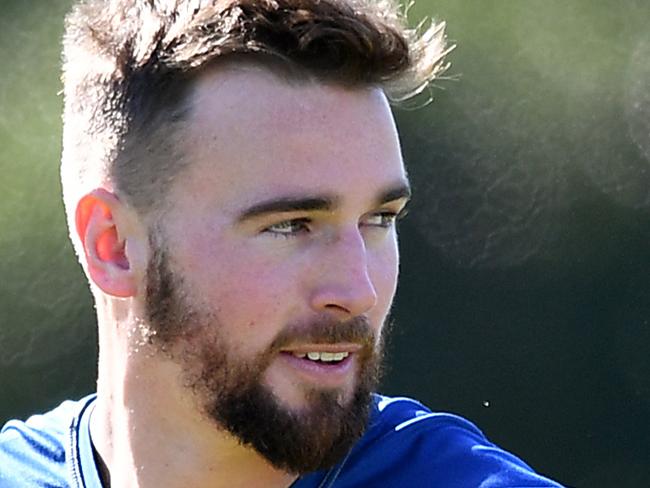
{"x":232,"y":176}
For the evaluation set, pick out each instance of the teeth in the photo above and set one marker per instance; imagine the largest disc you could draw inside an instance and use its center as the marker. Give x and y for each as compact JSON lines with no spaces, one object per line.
{"x":323,"y":356}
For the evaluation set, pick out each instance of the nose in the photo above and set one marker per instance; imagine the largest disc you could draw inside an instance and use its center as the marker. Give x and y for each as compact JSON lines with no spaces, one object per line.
{"x":343,"y":285}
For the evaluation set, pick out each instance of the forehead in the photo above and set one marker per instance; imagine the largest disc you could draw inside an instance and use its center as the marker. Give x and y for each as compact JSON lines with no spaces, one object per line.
{"x":251,"y":133}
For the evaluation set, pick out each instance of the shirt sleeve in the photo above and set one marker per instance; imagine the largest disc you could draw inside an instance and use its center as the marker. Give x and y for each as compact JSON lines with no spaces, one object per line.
{"x":437,"y":450}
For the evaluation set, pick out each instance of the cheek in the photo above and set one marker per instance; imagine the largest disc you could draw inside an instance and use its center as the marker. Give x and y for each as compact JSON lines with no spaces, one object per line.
{"x":251,"y":294}
{"x":384,"y":270}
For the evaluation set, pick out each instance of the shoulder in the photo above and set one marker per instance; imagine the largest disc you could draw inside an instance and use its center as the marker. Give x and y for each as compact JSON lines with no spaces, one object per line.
{"x":35,"y":452}
{"x":409,"y":445}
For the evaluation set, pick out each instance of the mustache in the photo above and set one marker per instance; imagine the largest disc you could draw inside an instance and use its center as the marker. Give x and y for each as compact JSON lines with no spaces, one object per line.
{"x":356,"y":330}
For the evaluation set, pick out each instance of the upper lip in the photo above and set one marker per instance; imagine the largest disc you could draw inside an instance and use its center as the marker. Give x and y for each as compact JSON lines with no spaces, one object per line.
{"x":334,"y":348}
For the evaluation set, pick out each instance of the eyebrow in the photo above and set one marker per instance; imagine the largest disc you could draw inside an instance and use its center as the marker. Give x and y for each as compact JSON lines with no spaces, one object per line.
{"x":287,"y":204}
{"x":397,"y":192}
{"x":322,"y":203}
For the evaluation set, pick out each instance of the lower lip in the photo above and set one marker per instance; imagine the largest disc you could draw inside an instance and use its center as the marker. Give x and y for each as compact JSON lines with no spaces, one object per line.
{"x":325,"y":374}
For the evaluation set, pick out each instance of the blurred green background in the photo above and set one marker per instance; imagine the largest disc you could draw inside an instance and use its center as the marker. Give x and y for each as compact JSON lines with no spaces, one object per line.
{"x":524,"y":303}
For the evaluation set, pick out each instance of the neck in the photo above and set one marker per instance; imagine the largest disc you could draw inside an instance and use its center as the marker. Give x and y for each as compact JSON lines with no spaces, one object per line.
{"x":149,"y":432}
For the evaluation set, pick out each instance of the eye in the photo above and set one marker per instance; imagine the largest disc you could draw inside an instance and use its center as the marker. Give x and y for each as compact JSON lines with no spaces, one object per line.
{"x":384,"y":219}
{"x":288,"y":228}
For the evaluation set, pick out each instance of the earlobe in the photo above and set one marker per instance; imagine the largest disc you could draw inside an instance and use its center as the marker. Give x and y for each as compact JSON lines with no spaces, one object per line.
{"x":104,"y":243}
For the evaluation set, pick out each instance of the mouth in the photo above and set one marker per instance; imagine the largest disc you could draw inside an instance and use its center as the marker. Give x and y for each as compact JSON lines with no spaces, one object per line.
{"x":322,"y":356}
{"x":323,"y":353}
{"x":326,"y":364}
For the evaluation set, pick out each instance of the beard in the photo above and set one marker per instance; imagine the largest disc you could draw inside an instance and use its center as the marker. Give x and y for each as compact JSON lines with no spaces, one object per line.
{"x":230,"y":390}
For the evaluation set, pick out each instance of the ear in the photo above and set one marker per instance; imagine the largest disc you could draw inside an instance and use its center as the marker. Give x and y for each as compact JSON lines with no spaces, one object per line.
{"x":103,"y":238}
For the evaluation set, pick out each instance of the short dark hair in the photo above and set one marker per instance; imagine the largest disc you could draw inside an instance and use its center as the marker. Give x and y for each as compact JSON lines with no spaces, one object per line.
{"x":128,"y":64}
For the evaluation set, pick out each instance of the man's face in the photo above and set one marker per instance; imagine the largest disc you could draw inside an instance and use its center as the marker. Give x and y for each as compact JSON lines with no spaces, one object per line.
{"x":273,"y":271}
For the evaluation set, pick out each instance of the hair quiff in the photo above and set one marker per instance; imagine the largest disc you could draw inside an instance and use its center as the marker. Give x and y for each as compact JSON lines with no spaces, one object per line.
{"x":128,"y":62}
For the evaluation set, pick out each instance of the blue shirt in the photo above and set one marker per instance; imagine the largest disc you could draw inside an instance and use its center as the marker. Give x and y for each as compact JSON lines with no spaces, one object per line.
{"x":405,"y":445}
